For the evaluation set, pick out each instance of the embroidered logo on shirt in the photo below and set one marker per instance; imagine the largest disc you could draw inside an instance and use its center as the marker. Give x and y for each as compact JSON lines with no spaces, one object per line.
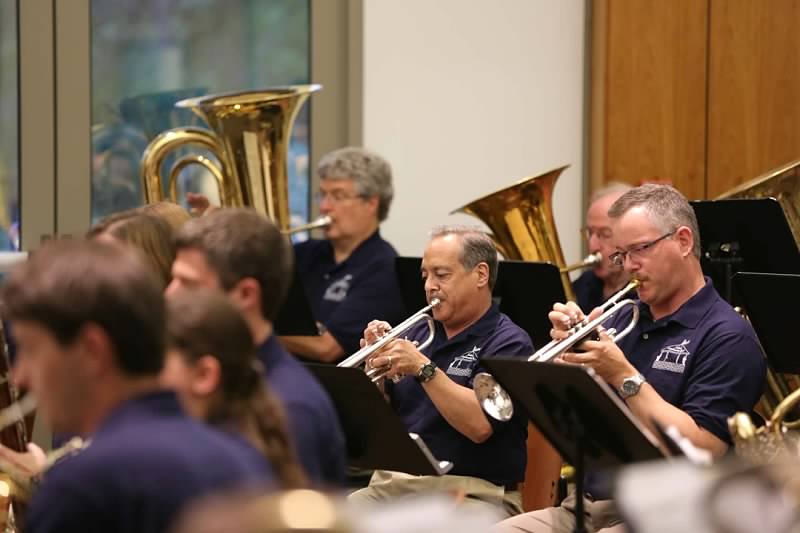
{"x":463,"y":364}
{"x":337,"y":291}
{"x":673,"y":358}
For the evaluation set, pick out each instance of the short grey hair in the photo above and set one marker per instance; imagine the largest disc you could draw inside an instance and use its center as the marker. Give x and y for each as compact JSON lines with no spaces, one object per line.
{"x":612,"y":187}
{"x":667,"y":207}
{"x":371,"y":174}
{"x":476,"y":247}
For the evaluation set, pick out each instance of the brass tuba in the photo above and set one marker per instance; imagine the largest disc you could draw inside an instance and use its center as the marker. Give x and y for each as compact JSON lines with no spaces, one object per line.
{"x":249,"y":136}
{"x":521,"y":220}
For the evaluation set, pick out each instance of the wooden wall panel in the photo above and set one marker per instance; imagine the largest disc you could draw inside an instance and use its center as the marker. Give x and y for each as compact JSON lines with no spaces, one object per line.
{"x":754,"y":89}
{"x":652,"y":79}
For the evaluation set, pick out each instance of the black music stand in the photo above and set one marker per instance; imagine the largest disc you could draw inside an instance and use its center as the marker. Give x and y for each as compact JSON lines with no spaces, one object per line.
{"x":376,"y":437}
{"x":578,"y":414}
{"x":295,"y":316}
{"x":525,"y":291}
{"x":769,"y":300}
{"x":744,"y":235}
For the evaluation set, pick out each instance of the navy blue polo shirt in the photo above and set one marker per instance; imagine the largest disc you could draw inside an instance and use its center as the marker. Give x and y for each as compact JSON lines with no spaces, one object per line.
{"x":313,"y":423}
{"x":346,"y":296}
{"x":588,"y":291}
{"x":704,"y":359}
{"x":501,"y":459}
{"x":145,"y":462}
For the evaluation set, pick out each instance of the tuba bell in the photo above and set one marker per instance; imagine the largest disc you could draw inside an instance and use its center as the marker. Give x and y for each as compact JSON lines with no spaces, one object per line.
{"x":249,"y":136}
{"x":521,"y":220}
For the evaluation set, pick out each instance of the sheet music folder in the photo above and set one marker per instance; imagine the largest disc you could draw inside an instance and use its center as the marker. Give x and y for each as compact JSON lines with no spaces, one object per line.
{"x":739,"y":235}
{"x":376,"y":437}
{"x":570,"y":404}
{"x":769,"y":300}
{"x":525,"y":291}
{"x":295,"y":316}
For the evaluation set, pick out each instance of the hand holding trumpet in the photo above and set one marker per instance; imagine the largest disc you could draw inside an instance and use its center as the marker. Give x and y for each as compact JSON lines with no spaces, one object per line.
{"x":397,"y":359}
{"x":601,"y":354}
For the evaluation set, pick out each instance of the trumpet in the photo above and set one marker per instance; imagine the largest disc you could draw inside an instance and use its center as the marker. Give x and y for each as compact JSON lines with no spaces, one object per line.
{"x":362,"y":355}
{"x":588,"y":261}
{"x":321,"y":222}
{"x":496,"y":402}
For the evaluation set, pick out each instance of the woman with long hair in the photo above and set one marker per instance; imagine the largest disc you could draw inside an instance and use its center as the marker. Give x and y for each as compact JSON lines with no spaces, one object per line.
{"x":211,"y":363}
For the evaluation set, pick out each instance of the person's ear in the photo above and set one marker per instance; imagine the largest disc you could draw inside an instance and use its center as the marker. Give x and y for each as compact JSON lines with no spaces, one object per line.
{"x":206,"y":376}
{"x":482,"y":271}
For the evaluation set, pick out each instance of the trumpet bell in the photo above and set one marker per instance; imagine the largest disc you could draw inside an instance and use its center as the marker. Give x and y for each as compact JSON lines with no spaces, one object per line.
{"x":493,"y":398}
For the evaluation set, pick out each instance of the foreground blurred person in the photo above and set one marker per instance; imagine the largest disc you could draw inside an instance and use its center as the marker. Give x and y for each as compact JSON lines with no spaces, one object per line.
{"x":89,"y":322}
{"x":211,"y":364}
{"x":690,"y":362}
{"x":244,"y":255}
{"x":436,"y":400}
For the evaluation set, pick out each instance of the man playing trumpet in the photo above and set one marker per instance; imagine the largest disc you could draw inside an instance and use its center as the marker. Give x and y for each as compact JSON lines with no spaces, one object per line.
{"x":436,"y":400}
{"x":690,"y":362}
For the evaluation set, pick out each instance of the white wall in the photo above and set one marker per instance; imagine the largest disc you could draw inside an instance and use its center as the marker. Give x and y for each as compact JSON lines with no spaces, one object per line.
{"x":465,"y":97}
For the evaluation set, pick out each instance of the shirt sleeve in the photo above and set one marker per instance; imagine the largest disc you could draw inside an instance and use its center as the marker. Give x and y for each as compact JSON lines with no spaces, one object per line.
{"x":729,"y":377}
{"x":374,"y":296}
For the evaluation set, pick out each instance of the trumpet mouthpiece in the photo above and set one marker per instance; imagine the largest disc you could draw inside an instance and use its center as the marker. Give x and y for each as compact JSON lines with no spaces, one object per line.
{"x":435,"y":302}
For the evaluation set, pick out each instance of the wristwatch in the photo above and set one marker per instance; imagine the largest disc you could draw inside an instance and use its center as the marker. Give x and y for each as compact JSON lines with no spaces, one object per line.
{"x":426,"y":372}
{"x":631,"y":385}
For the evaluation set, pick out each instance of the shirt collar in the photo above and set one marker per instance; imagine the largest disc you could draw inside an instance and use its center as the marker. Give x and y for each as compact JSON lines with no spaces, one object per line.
{"x":364,"y":249}
{"x":271,"y":352}
{"x":692,"y":311}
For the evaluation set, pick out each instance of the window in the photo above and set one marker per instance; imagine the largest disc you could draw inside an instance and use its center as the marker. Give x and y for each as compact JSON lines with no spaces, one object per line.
{"x":9,"y":126}
{"x":148,"y":54}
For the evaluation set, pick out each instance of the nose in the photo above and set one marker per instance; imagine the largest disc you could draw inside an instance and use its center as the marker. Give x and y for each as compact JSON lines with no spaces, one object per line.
{"x":629,"y":265}
{"x":430,"y":285}
{"x":594,"y":243}
{"x":172,"y":287}
{"x":325,"y":205}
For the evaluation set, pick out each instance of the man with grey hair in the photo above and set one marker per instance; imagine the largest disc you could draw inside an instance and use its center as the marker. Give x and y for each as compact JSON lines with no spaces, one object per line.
{"x":690,"y":362}
{"x":437,"y":401}
{"x":349,"y":276}
{"x":594,"y":286}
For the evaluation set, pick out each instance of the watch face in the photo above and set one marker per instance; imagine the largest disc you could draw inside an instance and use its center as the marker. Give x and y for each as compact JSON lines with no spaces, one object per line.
{"x":629,"y":386}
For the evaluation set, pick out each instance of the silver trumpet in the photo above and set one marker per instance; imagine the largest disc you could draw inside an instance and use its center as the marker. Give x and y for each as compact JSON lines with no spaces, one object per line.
{"x":321,"y":222}
{"x":497,"y":403}
{"x":362,"y":355}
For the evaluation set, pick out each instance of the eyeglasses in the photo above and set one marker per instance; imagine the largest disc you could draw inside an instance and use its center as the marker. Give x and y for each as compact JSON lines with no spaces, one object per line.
{"x":636,"y":252}
{"x":603,"y":234}
{"x":335,"y":197}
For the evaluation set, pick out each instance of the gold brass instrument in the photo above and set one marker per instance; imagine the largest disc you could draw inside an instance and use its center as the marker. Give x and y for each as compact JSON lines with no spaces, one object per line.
{"x":769,"y":442}
{"x":588,"y":261}
{"x":363,"y":355}
{"x":249,"y":136}
{"x":521,"y":220}
{"x":497,"y":403}
{"x":783,"y":184}
{"x":321,"y":222}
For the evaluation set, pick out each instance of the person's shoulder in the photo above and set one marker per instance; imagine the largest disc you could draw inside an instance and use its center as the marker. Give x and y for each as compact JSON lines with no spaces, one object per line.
{"x":310,"y":249}
{"x":507,"y":329}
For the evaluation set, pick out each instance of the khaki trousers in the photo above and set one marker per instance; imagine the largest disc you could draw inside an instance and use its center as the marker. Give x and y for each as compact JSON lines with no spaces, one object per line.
{"x":599,"y":515}
{"x":469,"y":491}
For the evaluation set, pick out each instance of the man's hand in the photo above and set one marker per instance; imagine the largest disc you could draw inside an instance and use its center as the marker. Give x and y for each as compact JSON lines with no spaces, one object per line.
{"x":198,"y":204}
{"x":605,"y":358}
{"x":23,"y":465}
{"x":400,"y":358}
